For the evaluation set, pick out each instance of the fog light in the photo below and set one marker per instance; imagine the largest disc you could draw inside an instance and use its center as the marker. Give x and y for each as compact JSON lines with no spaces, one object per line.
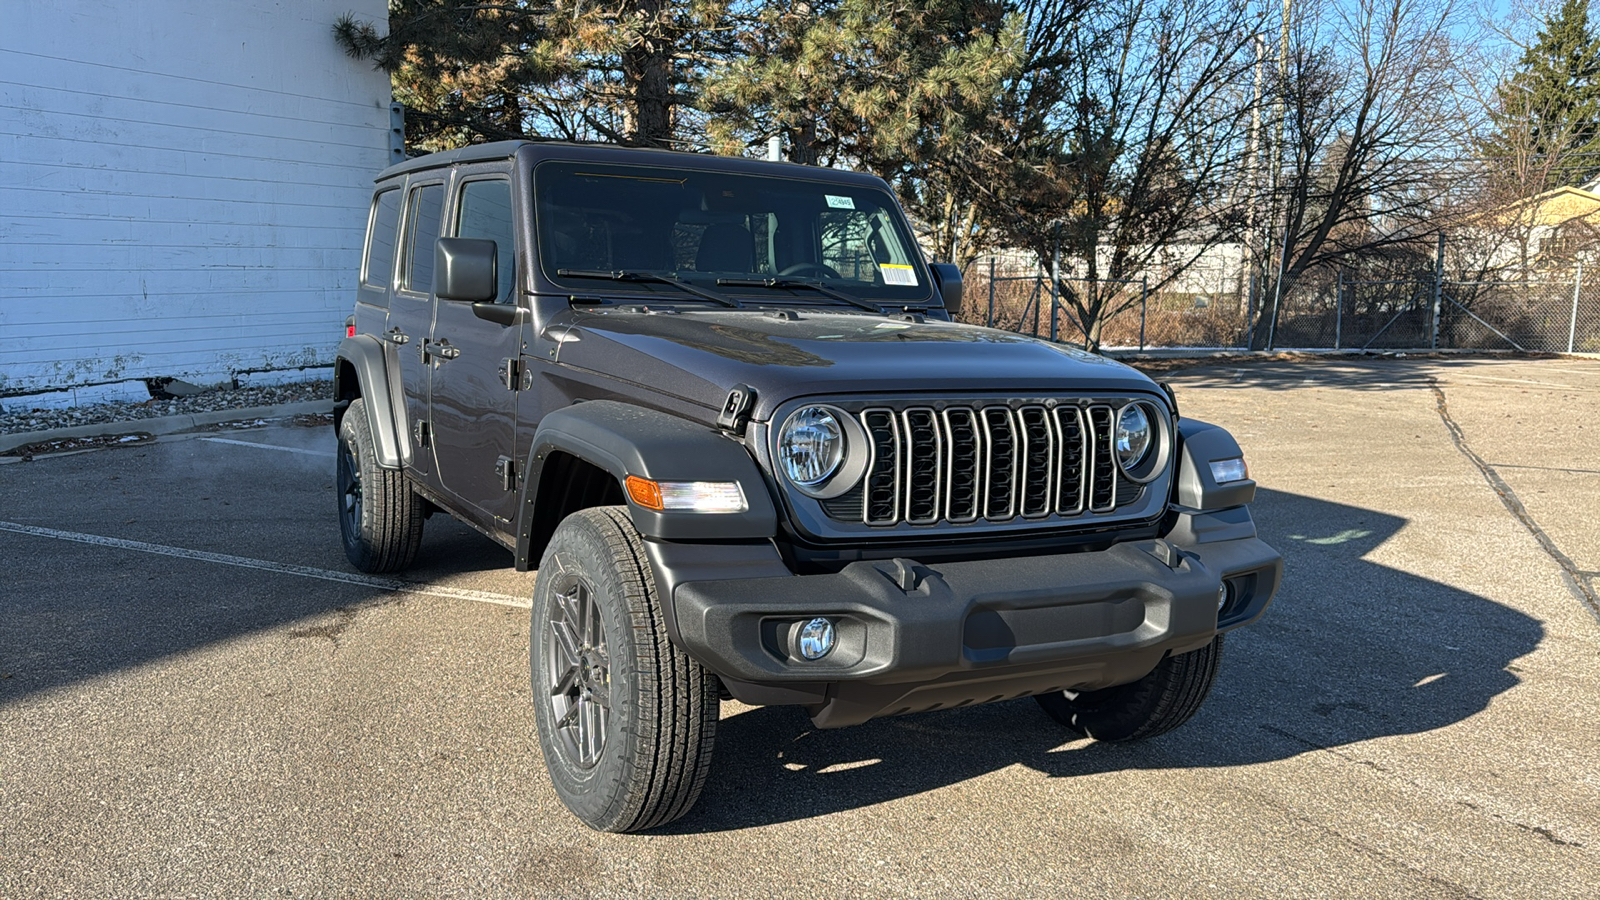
{"x":1224,"y":594}
{"x":816,"y":638}
{"x":1227,"y":471}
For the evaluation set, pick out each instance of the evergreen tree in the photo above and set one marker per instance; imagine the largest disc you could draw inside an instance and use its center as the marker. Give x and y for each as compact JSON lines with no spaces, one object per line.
{"x":466,"y":72}
{"x":908,"y":91}
{"x":1549,"y":111}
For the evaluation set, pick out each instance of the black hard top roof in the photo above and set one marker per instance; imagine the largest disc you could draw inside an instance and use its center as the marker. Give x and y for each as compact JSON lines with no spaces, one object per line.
{"x":611,"y":153}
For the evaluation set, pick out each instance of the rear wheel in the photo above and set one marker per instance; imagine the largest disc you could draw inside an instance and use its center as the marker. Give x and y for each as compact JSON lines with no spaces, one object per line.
{"x":1155,"y":704}
{"x":380,"y":517}
{"x":626,"y":719}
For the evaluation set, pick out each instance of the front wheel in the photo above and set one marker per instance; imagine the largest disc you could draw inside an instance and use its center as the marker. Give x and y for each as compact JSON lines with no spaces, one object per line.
{"x":1155,"y":704}
{"x":626,"y":719}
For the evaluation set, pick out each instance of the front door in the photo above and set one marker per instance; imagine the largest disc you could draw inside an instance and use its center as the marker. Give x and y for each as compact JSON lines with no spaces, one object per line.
{"x":473,"y":408}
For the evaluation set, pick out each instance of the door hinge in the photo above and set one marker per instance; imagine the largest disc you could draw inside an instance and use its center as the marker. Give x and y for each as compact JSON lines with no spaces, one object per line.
{"x":736,"y":409}
{"x":515,"y":375}
{"x":423,"y":434}
{"x":505,"y":469}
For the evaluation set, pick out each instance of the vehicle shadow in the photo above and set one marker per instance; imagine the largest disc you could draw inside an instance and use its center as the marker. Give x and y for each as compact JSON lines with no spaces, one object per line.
{"x":129,"y":585}
{"x":1350,"y":651}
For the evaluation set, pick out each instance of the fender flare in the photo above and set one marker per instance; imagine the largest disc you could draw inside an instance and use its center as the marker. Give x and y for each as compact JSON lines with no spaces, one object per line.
{"x":624,"y":440}
{"x":377,"y":382}
{"x":1199,"y":444}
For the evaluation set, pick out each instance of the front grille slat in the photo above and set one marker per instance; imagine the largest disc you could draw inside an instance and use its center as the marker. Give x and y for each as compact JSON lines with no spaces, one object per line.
{"x":993,"y":462}
{"x":1037,"y":455}
{"x":1070,"y":478}
{"x":924,"y":447}
{"x":963,"y":465}
{"x":1102,"y":462}
{"x":882,"y":505}
{"x":1000,"y":468}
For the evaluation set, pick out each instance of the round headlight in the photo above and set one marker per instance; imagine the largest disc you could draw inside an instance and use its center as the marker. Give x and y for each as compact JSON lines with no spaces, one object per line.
{"x":1133,"y":436}
{"x":811,"y":446}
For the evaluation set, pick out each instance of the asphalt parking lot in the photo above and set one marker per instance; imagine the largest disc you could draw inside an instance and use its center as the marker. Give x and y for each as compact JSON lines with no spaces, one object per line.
{"x":199,"y":696}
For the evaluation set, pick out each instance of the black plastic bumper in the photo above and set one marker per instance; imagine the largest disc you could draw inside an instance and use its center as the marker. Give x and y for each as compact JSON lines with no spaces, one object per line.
{"x":913,"y":637}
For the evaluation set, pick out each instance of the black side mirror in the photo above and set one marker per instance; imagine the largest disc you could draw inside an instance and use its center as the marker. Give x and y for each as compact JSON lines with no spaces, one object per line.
{"x":465,"y":269}
{"x":948,"y":279}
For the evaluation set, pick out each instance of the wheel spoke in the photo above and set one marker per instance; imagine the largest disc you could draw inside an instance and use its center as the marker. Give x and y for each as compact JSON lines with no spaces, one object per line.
{"x":592,"y":733}
{"x":565,"y":683}
{"x":570,"y":717}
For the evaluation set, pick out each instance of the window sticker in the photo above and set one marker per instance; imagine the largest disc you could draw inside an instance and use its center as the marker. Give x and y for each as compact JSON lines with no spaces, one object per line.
{"x":838,"y":202}
{"x":899,"y":275}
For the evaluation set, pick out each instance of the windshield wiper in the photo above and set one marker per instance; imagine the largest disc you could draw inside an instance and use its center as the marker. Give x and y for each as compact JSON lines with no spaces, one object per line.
{"x":657,"y":277}
{"x":817,"y":286}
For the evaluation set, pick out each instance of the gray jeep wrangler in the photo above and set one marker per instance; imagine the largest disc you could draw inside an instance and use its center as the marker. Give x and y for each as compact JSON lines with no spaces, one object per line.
{"x":722,"y":408}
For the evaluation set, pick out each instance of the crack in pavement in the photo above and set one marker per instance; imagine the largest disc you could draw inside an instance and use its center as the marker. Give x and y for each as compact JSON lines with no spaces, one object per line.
{"x":1317,"y":746}
{"x":1577,"y":580}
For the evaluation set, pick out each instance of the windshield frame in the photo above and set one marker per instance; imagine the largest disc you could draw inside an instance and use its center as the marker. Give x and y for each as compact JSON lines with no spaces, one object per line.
{"x":923,"y":294}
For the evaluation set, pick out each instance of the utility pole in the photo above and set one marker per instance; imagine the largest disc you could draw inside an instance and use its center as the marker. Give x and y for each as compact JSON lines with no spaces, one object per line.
{"x":1438,"y":293}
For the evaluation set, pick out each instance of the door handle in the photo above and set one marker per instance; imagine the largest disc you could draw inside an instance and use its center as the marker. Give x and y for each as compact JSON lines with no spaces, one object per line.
{"x":440,"y":348}
{"x":396,"y":335}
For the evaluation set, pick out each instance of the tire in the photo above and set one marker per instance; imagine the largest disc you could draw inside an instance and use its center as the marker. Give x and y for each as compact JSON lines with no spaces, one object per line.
{"x":626,"y":719}
{"x":1155,"y":704}
{"x":380,"y":517}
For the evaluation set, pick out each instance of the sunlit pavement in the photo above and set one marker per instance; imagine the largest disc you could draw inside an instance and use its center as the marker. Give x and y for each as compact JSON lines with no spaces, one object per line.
{"x":199,"y":696}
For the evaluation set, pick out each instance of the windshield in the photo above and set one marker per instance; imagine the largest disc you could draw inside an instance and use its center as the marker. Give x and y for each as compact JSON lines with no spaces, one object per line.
{"x":703,"y":227}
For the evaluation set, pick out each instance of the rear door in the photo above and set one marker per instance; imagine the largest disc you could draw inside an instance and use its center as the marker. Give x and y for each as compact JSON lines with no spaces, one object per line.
{"x":472,"y":404}
{"x":411,"y":311}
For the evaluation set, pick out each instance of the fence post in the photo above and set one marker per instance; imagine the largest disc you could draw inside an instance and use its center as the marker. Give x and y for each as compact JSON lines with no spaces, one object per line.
{"x":1338,"y":312}
{"x":1144,"y":300}
{"x":990,"y":322}
{"x":1438,"y":292}
{"x":1055,"y":281}
{"x":1572,"y":326}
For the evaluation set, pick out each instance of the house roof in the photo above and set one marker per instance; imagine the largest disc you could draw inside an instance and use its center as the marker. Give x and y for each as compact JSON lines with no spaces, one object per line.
{"x":1553,"y":207}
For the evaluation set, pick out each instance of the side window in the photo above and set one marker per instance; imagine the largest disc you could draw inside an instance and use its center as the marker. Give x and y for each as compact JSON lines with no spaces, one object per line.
{"x":486,"y":213}
{"x":422,"y":231}
{"x":380,"y":239}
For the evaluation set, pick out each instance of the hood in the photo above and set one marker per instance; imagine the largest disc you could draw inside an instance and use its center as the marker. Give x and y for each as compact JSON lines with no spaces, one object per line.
{"x":699,"y":355}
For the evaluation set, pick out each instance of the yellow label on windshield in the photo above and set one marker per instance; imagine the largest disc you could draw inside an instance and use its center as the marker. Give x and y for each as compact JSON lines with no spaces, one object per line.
{"x":899,"y":275}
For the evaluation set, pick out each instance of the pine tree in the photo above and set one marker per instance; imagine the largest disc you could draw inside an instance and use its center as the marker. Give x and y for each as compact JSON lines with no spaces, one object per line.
{"x":1549,"y":111}
{"x":908,"y":91}
{"x":621,"y":72}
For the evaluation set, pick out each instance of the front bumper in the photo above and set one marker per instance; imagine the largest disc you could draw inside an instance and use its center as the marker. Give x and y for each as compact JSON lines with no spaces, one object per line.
{"x":913,"y":637}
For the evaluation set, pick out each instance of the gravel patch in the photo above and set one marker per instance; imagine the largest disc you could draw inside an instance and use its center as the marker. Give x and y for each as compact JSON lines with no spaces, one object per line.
{"x":16,"y":420}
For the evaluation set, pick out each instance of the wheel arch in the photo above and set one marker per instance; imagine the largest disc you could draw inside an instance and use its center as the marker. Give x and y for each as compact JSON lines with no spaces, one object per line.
{"x":581,"y":456}
{"x":362,"y":368}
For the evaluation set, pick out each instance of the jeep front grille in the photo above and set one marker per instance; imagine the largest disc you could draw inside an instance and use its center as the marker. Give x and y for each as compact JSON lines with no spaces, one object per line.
{"x":995,"y":463}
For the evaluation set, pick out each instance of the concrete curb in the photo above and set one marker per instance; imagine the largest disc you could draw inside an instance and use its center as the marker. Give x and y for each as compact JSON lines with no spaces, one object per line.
{"x":165,"y":424}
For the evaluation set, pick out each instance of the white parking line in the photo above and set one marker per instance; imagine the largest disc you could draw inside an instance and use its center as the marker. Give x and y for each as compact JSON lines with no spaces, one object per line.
{"x":244,"y":562}
{"x":217,"y":440}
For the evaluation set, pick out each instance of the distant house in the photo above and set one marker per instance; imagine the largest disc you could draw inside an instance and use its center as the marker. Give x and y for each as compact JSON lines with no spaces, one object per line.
{"x":1548,"y":231}
{"x":183,"y":189}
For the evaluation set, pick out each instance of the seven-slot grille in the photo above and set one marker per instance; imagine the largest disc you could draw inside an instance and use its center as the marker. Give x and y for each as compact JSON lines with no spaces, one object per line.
{"x":995,"y":463}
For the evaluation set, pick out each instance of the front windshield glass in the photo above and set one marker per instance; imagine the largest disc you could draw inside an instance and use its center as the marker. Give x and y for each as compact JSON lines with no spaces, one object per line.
{"x":705,"y":227}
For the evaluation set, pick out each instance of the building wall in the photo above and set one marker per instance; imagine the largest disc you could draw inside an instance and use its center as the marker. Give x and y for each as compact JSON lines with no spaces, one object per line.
{"x":183,"y":187}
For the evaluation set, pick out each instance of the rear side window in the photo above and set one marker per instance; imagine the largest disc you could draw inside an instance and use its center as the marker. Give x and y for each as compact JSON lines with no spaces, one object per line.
{"x":422,"y":232}
{"x":381,"y":237}
{"x":486,"y":213}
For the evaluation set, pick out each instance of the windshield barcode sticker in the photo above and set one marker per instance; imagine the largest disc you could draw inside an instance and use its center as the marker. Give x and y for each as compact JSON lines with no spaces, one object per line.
{"x":899,"y":275}
{"x":838,"y":202}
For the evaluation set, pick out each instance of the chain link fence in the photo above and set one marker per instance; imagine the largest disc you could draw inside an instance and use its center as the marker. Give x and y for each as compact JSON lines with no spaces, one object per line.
{"x":1558,"y":312}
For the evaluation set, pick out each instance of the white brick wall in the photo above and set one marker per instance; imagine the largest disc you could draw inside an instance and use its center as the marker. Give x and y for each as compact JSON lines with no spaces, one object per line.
{"x":183,"y":187}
